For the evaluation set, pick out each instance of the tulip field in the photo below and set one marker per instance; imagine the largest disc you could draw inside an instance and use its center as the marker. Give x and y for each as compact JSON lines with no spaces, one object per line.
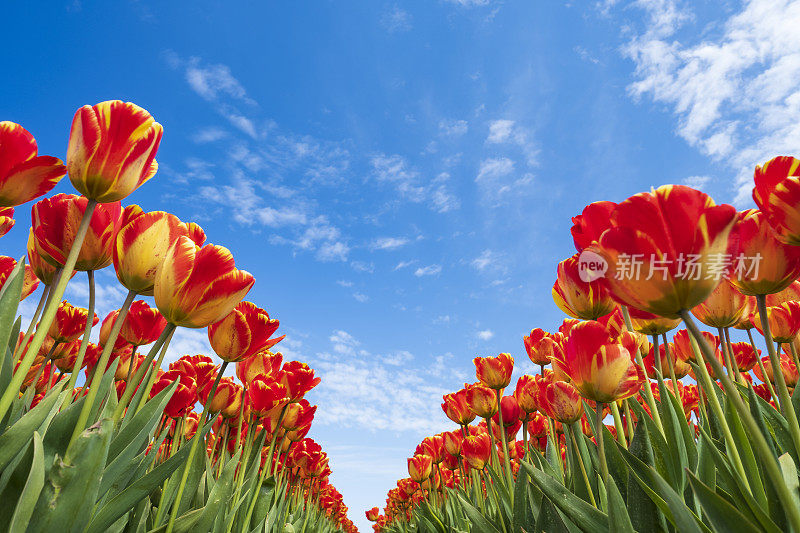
{"x":101,"y":438}
{"x":637,"y":419}
{"x":666,"y":401}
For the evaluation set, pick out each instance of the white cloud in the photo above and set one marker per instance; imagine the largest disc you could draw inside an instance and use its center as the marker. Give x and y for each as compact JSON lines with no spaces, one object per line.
{"x":389,"y":243}
{"x":495,"y":168}
{"x":395,"y":170}
{"x":471,"y":3}
{"x":360,"y":297}
{"x":500,"y":130}
{"x":430,"y":270}
{"x":485,"y":334}
{"x":396,"y":20}
{"x":487,"y":261}
{"x":212,"y":81}
{"x":734,"y":91}
{"x":453,"y":128}
{"x":404,"y":264}
{"x":209,"y":134}
{"x":343,"y":342}
{"x":697,"y":182}
{"x":343,"y":283}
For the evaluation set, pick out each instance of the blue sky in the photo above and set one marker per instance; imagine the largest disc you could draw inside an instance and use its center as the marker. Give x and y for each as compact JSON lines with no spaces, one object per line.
{"x":400,"y":176}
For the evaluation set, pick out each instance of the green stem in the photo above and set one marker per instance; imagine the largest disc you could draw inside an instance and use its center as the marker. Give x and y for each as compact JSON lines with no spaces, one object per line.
{"x":10,"y":394}
{"x":193,"y":450}
{"x":87,"y":332}
{"x":777,"y":374}
{"x":267,"y":466}
{"x":618,"y":425}
{"x":648,"y":390}
{"x":150,"y":372}
{"x":32,"y":324}
{"x":751,"y":427}
{"x":760,"y":364}
{"x":601,"y":448}
{"x":671,"y":365}
{"x":736,"y":370}
{"x":509,"y":477}
{"x":572,"y":429}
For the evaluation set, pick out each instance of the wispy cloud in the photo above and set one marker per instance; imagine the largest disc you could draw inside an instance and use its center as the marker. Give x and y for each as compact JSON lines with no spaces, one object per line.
{"x":485,"y":334}
{"x":430,"y":270}
{"x":453,"y":128}
{"x":360,"y":297}
{"x":396,"y":20}
{"x":404,"y":264}
{"x":389,"y":243}
{"x":396,"y":171}
{"x":734,"y":91}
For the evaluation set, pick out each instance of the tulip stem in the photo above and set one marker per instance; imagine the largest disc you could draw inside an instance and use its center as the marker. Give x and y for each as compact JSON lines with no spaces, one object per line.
{"x":601,"y":448}
{"x":150,"y":373}
{"x":793,"y":351}
{"x":32,"y":324}
{"x":267,"y":465}
{"x":751,"y":426}
{"x":671,"y":365}
{"x":777,"y":374}
{"x":737,"y":372}
{"x":509,"y":477}
{"x":760,"y":364}
{"x":618,"y":425}
{"x":572,"y":428}
{"x":195,"y":443}
{"x":648,"y":390}
{"x":725,"y":353}
{"x":87,"y":332}
{"x":12,"y":390}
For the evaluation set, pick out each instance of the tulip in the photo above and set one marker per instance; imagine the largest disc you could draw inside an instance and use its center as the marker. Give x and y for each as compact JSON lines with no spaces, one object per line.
{"x":69,"y":322}
{"x":265,"y":395}
{"x":457,"y":408}
{"x":29,"y":280}
{"x":767,"y":265}
{"x":527,"y":393}
{"x":373,"y":514}
{"x":784,"y":321}
{"x":650,"y":324}
{"x":476,"y":450}
{"x":298,"y":415}
{"x":591,"y":223}
{"x":724,"y":307}
{"x":537,"y":426}
{"x":599,"y":367}
{"x":143,"y":324}
{"x":494,"y":372}
{"x":419,"y":467}
{"x":680,"y":366}
{"x":745,"y":356}
{"x":682,"y":344}
{"x":788,"y":370}
{"x":143,"y":242}
{"x":482,"y":400}
{"x":662,"y":249}
{"x":112,"y":149}
{"x":6,"y":220}
{"x":264,"y":362}
{"x":298,"y":378}
{"x":789,"y":294}
{"x":509,"y":412}
{"x":227,"y":398}
{"x":41,"y":268}
{"x":562,"y":402}
{"x":777,"y":195}
{"x":195,"y":287}
{"x":243,"y":332}
{"x":541,"y":346}
{"x":105,"y":331}
{"x":578,"y":298}
{"x":183,"y":398}
{"x":55,"y":225}
{"x":453,"y":440}
{"x":24,"y":175}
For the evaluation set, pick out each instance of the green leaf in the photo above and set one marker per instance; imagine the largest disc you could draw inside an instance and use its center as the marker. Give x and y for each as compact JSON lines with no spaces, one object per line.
{"x":9,"y":301}
{"x":479,"y":522}
{"x":30,"y":493}
{"x":70,"y":490}
{"x":18,"y":435}
{"x":549,"y":520}
{"x":723,"y":515}
{"x":583,"y":514}
{"x":645,"y":516}
{"x":522,"y":516}
{"x":618,"y":519}
{"x":789,"y":470}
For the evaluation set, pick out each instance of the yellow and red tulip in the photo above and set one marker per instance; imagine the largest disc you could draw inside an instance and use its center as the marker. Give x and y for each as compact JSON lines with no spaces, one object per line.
{"x":562,"y":402}
{"x":650,"y":324}
{"x":195,"y":287}
{"x":6,"y":220}
{"x":298,"y":378}
{"x":69,"y":322}
{"x":784,"y":321}
{"x":24,"y":175}
{"x":143,"y":324}
{"x":482,"y":400}
{"x":29,"y":281}
{"x":456,"y":407}
{"x":494,"y":372}
{"x":112,"y":149}
{"x":419,"y":467}
{"x":588,"y":300}
{"x":143,"y":242}
{"x":724,"y":307}
{"x":55,"y":223}
{"x":264,"y":362}
{"x":600,"y":368}
{"x":244,"y":332}
{"x":777,"y":195}
{"x":541,"y":346}
{"x":476,"y":450}
{"x":658,"y":229}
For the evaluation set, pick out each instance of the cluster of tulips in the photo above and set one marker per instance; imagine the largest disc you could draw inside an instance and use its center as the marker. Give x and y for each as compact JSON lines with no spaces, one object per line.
{"x":121,"y":447}
{"x":623,"y":428}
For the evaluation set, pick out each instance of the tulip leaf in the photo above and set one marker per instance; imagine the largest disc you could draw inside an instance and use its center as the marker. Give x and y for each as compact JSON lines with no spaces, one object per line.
{"x":479,"y":522}
{"x":522,"y":516}
{"x":30,"y":492}
{"x":789,"y":470}
{"x":645,"y":516}
{"x":6,"y":365}
{"x":120,"y":504}
{"x":18,"y":435}
{"x":549,"y":519}
{"x":722,"y":514}
{"x":663,"y":495}
{"x":584,"y":515}
{"x":618,"y":518}
{"x":10,"y":294}
{"x":70,"y":489}
{"x":745,"y":452}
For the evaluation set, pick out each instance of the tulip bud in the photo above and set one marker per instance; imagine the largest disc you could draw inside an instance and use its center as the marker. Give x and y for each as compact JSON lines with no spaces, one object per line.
{"x":494,"y":372}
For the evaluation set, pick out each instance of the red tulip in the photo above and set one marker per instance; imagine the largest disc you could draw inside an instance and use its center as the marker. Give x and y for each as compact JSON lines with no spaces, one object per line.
{"x":591,"y":223}
{"x":457,"y":408}
{"x":55,"y":223}
{"x":777,"y":195}
{"x":29,"y":280}
{"x":298,"y":378}
{"x":265,"y":395}
{"x":678,"y":238}
{"x":494,"y":372}
{"x":24,"y":175}
{"x":69,"y":322}
{"x":183,"y":398}
{"x":6,"y":220}
{"x":243,"y":332}
{"x":587,"y":300}
{"x":143,"y":324}
{"x":112,"y":149}
{"x":477,"y":450}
